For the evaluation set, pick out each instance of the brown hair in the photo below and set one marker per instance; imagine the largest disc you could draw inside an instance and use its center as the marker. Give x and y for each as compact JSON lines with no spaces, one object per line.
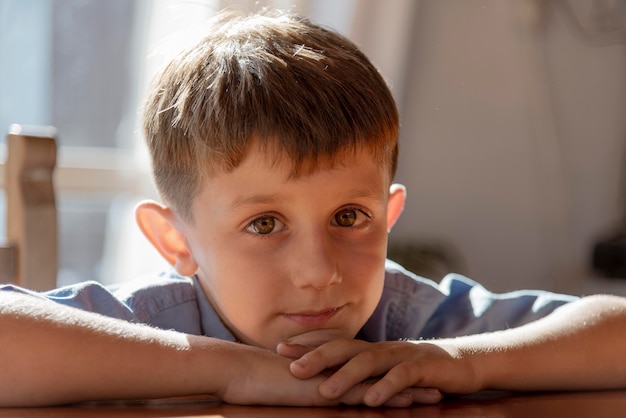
{"x":276,"y":78}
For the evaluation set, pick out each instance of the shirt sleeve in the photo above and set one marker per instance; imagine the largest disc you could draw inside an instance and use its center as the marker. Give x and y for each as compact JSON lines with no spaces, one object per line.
{"x":469,"y":308}
{"x":88,"y":296}
{"x":417,"y":308}
{"x":164,"y":301}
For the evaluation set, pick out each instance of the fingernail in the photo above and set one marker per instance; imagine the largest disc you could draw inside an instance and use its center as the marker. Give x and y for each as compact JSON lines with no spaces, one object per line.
{"x":372,"y":397}
{"x":291,"y":344}
{"x":435,"y":393}
{"x":301,"y":362}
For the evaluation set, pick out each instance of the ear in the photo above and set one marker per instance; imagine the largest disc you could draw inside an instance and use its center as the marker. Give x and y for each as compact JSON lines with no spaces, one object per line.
{"x":395,"y":205}
{"x":158,"y":224}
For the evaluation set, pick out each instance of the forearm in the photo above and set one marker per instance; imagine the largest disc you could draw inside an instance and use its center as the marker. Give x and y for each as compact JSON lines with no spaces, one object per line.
{"x":54,"y":355}
{"x":578,"y":347}
{"x":581,"y":346}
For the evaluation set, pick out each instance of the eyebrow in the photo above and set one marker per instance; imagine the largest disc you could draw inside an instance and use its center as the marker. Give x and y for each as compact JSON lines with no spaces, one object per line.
{"x":368,"y":193}
{"x":260,"y":199}
{"x":257,"y":199}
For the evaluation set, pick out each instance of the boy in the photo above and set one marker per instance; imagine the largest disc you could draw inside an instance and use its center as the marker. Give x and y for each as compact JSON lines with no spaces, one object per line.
{"x":273,"y":144}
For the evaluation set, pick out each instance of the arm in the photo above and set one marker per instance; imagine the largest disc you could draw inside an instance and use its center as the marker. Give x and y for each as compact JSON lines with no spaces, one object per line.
{"x":578,"y":347}
{"x":52,"y":354}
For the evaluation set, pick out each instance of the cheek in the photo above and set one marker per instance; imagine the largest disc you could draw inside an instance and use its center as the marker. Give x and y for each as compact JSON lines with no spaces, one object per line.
{"x":240,"y":287}
{"x":367,"y":250}
{"x":363,"y":263}
{"x":237,"y":280}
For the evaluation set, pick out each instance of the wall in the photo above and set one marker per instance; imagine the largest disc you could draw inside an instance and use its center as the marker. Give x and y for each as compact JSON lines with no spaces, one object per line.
{"x":512,"y":142}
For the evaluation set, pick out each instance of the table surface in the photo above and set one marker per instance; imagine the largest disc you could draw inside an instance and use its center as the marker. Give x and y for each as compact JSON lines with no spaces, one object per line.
{"x":489,"y":404}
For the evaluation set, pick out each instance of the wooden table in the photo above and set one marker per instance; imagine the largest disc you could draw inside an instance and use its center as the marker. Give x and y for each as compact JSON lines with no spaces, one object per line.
{"x":577,"y":404}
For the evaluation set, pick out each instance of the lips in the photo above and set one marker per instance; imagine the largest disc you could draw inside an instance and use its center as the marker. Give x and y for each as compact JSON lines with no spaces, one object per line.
{"x":313,"y":318}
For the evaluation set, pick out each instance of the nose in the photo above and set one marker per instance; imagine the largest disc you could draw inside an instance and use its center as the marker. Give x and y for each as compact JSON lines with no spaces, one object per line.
{"x":315,"y":262}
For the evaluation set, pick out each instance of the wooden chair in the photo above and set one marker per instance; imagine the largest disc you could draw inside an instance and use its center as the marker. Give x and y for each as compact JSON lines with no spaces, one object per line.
{"x":29,"y":258}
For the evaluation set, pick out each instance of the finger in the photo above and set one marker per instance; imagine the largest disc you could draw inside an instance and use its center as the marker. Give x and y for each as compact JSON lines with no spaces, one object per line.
{"x":293,"y":351}
{"x":425,"y":395}
{"x":399,"y":400}
{"x":363,"y":366}
{"x":350,"y":374}
{"x":327,"y":356}
{"x":354,"y":396}
{"x":403,"y":378}
{"x":410,"y":396}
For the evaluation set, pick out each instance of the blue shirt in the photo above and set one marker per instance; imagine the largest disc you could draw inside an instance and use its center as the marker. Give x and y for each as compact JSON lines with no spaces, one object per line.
{"x":410,"y":306}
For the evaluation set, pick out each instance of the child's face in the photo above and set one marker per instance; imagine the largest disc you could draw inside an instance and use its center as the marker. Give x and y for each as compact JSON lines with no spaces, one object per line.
{"x":295,"y":260}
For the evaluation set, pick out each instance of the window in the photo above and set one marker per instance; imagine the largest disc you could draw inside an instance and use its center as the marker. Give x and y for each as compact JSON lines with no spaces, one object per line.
{"x":82,"y":66}
{"x":76,"y":68}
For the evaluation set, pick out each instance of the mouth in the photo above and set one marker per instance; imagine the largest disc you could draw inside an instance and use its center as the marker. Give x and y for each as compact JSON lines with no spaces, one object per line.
{"x":313,"y":318}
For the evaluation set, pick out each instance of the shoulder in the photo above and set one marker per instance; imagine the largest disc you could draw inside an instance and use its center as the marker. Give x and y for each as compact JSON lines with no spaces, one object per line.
{"x":166,"y":300}
{"x":89,"y":296}
{"x":400,"y":282}
{"x":415,"y":307}
{"x":469,"y":308}
{"x":455,"y":289}
{"x":406,"y":303}
{"x":155,"y":292}
{"x":171,"y":301}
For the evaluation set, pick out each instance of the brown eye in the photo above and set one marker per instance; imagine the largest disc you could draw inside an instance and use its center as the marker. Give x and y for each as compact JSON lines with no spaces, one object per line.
{"x":263,"y":225}
{"x":346,"y":217}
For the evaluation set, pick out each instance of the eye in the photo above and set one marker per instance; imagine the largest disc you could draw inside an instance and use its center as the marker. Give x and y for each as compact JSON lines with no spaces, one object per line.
{"x":265,"y":225}
{"x":350,"y":217}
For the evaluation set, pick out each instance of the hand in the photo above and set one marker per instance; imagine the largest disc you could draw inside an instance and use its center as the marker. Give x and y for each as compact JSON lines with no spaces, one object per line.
{"x":262,"y":377}
{"x":406,"y":370}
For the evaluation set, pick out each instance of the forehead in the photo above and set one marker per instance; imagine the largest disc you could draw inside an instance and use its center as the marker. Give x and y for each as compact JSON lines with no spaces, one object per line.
{"x":303,"y":160}
{"x":271,"y":154}
{"x":267,"y":175}
{"x":271,"y":157}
